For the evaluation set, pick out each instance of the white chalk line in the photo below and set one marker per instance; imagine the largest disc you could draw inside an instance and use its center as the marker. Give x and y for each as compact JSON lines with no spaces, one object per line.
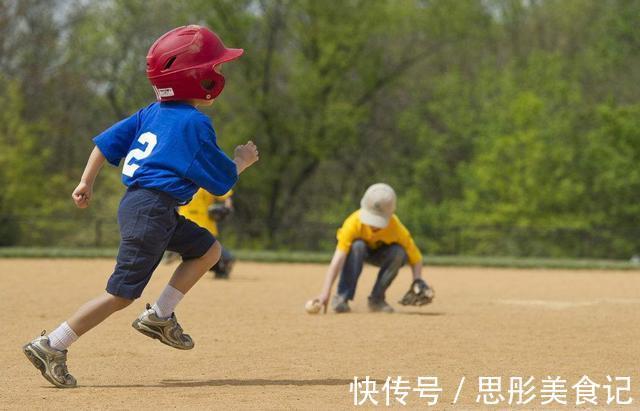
{"x":562,"y":305}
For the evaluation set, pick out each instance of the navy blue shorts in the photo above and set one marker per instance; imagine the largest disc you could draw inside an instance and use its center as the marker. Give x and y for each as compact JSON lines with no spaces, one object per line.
{"x":149,"y":225}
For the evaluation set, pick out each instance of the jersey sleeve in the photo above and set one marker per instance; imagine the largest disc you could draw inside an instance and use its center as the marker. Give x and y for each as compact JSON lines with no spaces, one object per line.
{"x":211,"y":168}
{"x":406,"y":241}
{"x":347,"y":233}
{"x":114,"y":142}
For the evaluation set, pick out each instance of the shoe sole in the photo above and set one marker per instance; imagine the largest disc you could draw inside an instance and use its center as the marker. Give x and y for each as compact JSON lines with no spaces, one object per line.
{"x":32,"y":355}
{"x":138,"y":325}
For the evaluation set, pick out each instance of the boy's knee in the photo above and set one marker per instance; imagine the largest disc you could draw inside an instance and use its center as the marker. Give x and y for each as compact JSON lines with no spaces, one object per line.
{"x":213,"y":254}
{"x":359,"y":247}
{"x":118,"y":303}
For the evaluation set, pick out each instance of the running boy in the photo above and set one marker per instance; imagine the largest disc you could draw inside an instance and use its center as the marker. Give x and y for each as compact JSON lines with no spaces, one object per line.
{"x":374,"y":234}
{"x":170,"y":150}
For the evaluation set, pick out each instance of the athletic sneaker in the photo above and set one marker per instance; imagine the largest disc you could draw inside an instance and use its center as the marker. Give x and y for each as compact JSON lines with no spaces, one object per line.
{"x":379,"y":306}
{"x":168,"y":331}
{"x":52,"y":363}
{"x":340,"y":304}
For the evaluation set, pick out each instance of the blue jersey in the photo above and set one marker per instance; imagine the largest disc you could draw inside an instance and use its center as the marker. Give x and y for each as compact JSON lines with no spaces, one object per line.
{"x":169,"y":147}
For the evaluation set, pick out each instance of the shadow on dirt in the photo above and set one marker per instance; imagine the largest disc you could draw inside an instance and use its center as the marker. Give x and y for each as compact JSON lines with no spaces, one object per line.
{"x":428,"y":314}
{"x":252,"y":382}
{"x":236,"y":382}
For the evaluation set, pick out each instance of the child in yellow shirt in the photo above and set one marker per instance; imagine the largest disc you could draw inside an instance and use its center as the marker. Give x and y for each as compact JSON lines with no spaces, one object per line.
{"x":372,"y":234}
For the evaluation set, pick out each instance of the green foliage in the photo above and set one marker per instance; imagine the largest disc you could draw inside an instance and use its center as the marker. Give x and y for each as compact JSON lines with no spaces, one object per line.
{"x":22,"y":159}
{"x":506,"y":127}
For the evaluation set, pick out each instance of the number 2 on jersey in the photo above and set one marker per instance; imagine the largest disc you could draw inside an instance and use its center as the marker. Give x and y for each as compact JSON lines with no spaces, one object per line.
{"x":130,"y":166}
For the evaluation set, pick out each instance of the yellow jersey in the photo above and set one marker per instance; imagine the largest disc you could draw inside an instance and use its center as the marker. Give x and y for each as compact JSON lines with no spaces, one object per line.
{"x":198,"y":209}
{"x":353,"y":229}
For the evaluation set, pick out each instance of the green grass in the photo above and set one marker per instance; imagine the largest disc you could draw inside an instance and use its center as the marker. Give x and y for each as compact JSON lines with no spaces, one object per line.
{"x":531,"y":262}
{"x":324,"y":257}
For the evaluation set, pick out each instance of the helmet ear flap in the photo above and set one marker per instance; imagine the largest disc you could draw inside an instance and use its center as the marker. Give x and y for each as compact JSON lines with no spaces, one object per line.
{"x":212,"y":84}
{"x":212,"y":80}
{"x":207,"y":84}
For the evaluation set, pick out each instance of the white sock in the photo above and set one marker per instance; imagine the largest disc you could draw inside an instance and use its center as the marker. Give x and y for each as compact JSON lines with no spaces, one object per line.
{"x":62,"y":337}
{"x":167,"y":302}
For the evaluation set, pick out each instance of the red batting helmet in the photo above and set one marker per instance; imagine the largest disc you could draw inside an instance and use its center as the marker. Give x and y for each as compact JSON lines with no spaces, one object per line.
{"x":182,"y":64}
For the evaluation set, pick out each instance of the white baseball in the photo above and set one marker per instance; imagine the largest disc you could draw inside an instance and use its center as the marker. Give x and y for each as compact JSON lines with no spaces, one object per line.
{"x":312,"y":306}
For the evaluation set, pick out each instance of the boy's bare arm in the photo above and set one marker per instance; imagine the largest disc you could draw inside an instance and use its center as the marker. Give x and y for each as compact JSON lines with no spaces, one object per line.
{"x":245,"y":155}
{"x":416,"y":270}
{"x":82,"y":194}
{"x":337,"y":262}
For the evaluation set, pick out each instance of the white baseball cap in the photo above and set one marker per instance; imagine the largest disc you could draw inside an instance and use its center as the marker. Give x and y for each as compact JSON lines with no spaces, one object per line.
{"x":378,"y":205}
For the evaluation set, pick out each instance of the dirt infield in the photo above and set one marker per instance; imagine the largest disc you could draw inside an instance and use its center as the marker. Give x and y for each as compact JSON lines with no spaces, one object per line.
{"x":257,"y":349}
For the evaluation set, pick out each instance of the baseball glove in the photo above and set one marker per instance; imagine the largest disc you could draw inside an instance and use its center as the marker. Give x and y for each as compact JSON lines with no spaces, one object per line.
{"x":419,"y":294}
{"x":219,"y":212}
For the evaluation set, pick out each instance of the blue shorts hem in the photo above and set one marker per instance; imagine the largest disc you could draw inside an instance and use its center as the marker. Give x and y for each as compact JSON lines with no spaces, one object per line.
{"x":202,"y":249}
{"x":129,"y":294}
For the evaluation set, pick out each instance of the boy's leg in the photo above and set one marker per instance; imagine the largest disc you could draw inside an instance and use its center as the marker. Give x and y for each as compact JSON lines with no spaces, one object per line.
{"x":184,"y":277}
{"x":190,"y":271}
{"x":94,"y":312}
{"x":200,"y":251}
{"x":390,"y":259}
{"x":49,"y":353}
{"x":349,"y":275}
